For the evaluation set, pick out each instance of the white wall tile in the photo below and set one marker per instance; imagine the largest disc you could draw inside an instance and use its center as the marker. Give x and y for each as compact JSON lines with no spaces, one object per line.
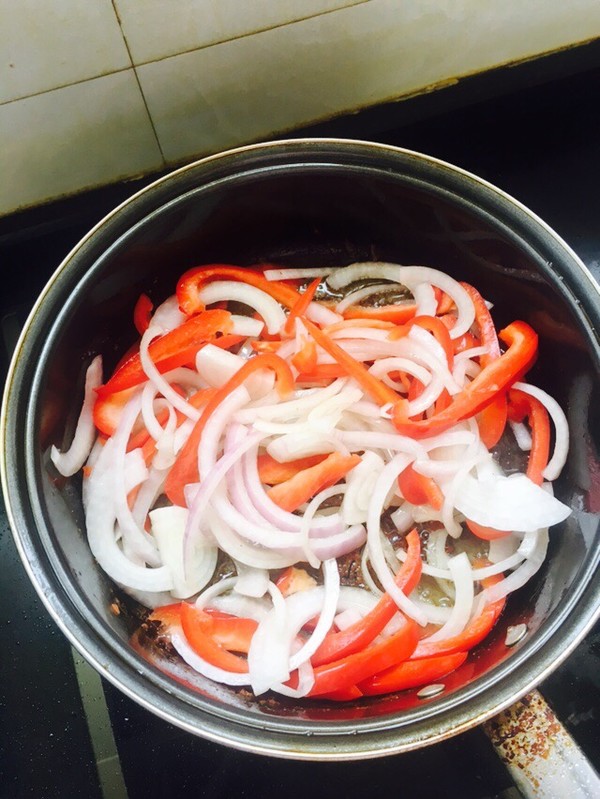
{"x":273,"y":81}
{"x":76,"y":137}
{"x":46,"y":44}
{"x":159,"y":28}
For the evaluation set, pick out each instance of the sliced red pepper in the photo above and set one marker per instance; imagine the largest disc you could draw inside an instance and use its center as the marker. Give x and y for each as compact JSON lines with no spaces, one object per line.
{"x":271,"y":472}
{"x":358,"y":635}
{"x":142,"y":313}
{"x":539,"y":423}
{"x":411,"y":674}
{"x":108,"y":410}
{"x":420,"y":490}
{"x":472,"y":635}
{"x":212,"y":637}
{"x":492,"y":422}
{"x":169,"y":615}
{"x":300,"y":306}
{"x":176,"y":348}
{"x":322,"y":373}
{"x":397,"y":314}
{"x":352,"y":670}
{"x":486,"y":533}
{"x":343,"y":694}
{"x":292,"y":580}
{"x":191,"y":282}
{"x":376,"y":388}
{"x":300,"y":488}
{"x":496,"y":376}
{"x":185,"y":468}
{"x":305,"y":360}
{"x":376,"y":324}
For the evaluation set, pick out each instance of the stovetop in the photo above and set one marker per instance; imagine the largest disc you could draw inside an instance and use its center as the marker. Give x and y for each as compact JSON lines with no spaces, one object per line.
{"x":64,"y":732}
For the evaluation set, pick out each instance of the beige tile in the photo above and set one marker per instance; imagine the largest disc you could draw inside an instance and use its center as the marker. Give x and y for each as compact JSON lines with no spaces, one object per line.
{"x":46,"y":44}
{"x":77,"y":137}
{"x":156,"y":29}
{"x":254,"y":87}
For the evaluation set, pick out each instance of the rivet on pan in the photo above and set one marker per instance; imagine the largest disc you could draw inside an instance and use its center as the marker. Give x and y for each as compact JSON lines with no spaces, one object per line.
{"x":431,"y":690}
{"x":514,"y":634}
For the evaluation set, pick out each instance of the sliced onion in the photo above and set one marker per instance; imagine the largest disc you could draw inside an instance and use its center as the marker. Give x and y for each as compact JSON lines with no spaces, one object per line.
{"x":522,"y":435}
{"x":202,"y":666}
{"x":411,"y":277}
{"x":168,"y":528}
{"x":217,"y":366}
{"x":251,"y":582}
{"x":561,"y":429}
{"x":298,"y":273}
{"x":168,"y":316}
{"x":234,"y":291}
{"x":331,"y":589}
{"x":100,"y":521}
{"x":71,"y":460}
{"x":385,"y":481}
{"x":158,"y":380}
{"x":521,"y":575}
{"x":355,"y":297}
{"x":462,"y":576}
{"x":508,"y":503}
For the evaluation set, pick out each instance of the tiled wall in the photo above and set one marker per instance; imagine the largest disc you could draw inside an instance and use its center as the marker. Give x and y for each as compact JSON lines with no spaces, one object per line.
{"x":93,"y":91}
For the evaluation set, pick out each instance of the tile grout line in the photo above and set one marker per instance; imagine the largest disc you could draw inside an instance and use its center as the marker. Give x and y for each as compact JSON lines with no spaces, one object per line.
{"x":187,"y":51}
{"x":107,"y":761}
{"x":137,"y":80}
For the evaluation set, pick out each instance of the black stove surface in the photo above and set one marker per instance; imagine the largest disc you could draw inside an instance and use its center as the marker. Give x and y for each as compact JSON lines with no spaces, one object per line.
{"x":64,"y":732}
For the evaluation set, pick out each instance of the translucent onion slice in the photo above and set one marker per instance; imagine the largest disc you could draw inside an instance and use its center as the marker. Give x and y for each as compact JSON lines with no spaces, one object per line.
{"x":168,"y":528}
{"x":234,"y":291}
{"x":200,"y":665}
{"x":158,"y":380}
{"x":508,"y":503}
{"x":462,"y":576}
{"x":561,"y":429}
{"x":411,"y":277}
{"x":217,"y":366}
{"x":521,"y":575}
{"x":376,"y":555}
{"x":100,"y":522}
{"x":71,"y":460}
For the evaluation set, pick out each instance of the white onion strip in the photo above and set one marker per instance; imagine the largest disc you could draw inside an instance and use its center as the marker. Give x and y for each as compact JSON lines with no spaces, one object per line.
{"x":561,"y":429}
{"x":71,"y":460}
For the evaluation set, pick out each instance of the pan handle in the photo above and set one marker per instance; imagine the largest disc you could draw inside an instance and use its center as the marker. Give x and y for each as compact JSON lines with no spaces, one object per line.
{"x":542,"y":758}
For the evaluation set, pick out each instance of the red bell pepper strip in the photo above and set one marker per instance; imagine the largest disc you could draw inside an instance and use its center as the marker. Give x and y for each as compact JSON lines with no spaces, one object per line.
{"x":300,"y":306}
{"x":496,"y":376}
{"x":420,"y":490}
{"x":305,"y":360}
{"x":142,"y":313}
{"x":411,"y":674}
{"x":343,"y":694}
{"x":169,"y":615}
{"x":473,"y":634}
{"x":539,"y":423}
{"x":300,"y":488}
{"x":185,"y":468}
{"x":371,"y":384}
{"x":358,"y":635}
{"x":271,"y":472}
{"x":353,"y":669}
{"x":107,"y":410}
{"x":204,"y":633}
{"x":376,"y":324}
{"x":486,"y":533}
{"x":397,"y":314}
{"x":176,"y":348}
{"x":191,"y":282}
{"x":492,"y":421}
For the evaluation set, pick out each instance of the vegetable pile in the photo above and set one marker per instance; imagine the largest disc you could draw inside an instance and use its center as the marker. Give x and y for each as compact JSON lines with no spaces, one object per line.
{"x":273,"y":426}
